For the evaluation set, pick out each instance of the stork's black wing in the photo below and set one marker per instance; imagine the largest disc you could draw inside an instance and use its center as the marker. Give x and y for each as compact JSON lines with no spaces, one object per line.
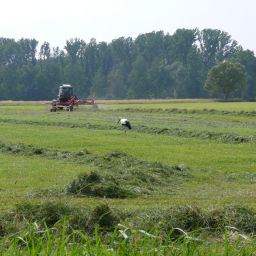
{"x":128,"y":124}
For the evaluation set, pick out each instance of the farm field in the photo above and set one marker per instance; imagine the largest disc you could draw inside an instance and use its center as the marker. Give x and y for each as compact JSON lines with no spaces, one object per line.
{"x":183,"y":155}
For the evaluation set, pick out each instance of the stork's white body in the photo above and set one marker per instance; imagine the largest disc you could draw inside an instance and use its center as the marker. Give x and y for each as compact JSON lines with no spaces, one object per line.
{"x":123,"y":121}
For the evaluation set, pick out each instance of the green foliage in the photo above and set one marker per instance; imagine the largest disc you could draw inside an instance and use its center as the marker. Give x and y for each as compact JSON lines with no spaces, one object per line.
{"x":153,"y":65}
{"x":248,"y":60}
{"x":216,"y":46}
{"x":226,"y":78}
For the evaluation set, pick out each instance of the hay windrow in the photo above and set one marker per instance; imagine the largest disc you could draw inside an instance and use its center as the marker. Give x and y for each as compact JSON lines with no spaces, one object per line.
{"x":118,"y":174}
{"x":190,"y":111}
{"x":52,"y":213}
{"x":203,"y":135}
{"x":94,"y":184}
{"x":189,"y":218}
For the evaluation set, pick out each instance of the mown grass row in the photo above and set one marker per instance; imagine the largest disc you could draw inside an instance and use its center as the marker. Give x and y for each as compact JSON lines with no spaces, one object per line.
{"x":119,"y":175}
{"x":165,"y":149}
{"x":194,"y":123}
{"x":191,"y":111}
{"x":182,"y":104}
{"x":120,"y":169}
{"x":188,"y":218}
{"x":216,"y":136}
{"x":34,"y":178}
{"x":60,"y":230}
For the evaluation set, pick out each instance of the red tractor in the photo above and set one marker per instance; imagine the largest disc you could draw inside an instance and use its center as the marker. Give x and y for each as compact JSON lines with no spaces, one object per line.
{"x":67,"y":101}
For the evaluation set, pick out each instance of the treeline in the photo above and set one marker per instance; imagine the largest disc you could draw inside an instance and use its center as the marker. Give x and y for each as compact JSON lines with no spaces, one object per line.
{"x":153,"y":65}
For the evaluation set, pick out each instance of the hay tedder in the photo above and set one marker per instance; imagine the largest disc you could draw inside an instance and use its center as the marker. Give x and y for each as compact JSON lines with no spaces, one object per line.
{"x":67,"y":101}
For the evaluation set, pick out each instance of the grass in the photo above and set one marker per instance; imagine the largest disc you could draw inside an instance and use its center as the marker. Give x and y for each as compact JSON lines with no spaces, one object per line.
{"x":192,"y":105}
{"x":37,"y":240}
{"x":166,"y":149}
{"x":34,"y":179}
{"x":43,"y":154}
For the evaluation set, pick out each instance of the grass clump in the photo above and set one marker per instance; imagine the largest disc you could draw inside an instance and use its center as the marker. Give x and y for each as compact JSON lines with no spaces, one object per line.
{"x":123,"y":176}
{"x":204,"y":135}
{"x":243,"y":218}
{"x":118,"y":175}
{"x":94,"y":184}
{"x":103,"y":217}
{"x":188,"y":218}
{"x":49,"y":212}
{"x":192,"y":218}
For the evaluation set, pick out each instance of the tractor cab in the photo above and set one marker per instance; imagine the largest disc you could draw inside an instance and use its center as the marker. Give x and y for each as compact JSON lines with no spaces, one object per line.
{"x":65,"y":92}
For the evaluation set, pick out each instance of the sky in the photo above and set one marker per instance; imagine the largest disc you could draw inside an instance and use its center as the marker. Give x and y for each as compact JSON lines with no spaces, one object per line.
{"x":57,"y":21}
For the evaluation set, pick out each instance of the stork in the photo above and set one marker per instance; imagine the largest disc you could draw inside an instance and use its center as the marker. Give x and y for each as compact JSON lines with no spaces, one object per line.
{"x":125,"y":123}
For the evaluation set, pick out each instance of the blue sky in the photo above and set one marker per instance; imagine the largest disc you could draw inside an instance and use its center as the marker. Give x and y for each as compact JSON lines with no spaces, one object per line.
{"x":56,"y":21}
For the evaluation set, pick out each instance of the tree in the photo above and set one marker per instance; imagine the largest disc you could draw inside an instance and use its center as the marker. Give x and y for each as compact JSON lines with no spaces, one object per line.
{"x":150,"y":45}
{"x":248,"y":60}
{"x":226,"y":78}
{"x":138,"y":79}
{"x":27,"y":51}
{"x":153,"y":65}
{"x":216,"y":46}
{"x":116,"y":84}
{"x":179,"y":77}
{"x":8,"y":51}
{"x":45,"y":51}
{"x":74,"y":47}
{"x":99,"y":82}
{"x":182,"y":43}
{"x":194,"y":80}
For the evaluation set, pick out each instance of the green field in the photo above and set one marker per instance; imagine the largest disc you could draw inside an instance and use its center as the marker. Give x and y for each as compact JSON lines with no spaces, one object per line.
{"x":178,"y":154}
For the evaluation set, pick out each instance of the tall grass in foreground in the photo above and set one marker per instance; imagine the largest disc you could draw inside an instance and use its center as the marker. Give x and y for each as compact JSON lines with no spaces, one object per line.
{"x":59,"y":240}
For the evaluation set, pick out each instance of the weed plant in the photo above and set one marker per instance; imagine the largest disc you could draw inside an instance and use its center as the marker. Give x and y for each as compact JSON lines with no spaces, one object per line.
{"x":42,"y":240}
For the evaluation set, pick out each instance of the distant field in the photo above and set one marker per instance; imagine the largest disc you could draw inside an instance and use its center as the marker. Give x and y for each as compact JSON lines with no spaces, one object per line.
{"x":178,"y":153}
{"x":190,"y":104}
{"x":184,"y":104}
